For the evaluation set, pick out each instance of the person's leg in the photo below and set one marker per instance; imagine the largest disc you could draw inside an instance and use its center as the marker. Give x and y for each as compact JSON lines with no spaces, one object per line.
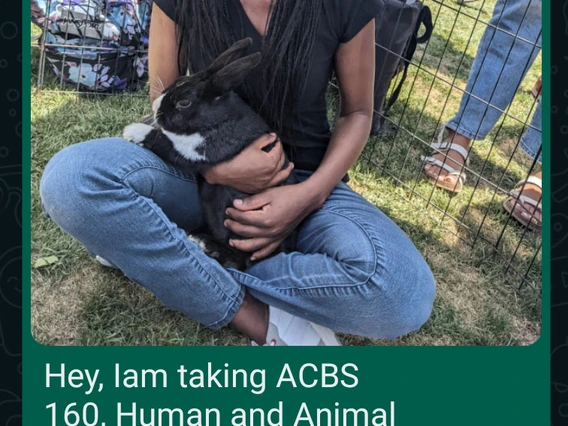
{"x":506,"y":52}
{"x":355,"y":272}
{"x":531,"y":141}
{"x":526,"y":198}
{"x":126,"y":205}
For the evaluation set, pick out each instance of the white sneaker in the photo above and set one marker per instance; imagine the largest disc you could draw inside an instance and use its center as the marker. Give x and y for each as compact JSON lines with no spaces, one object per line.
{"x":285,"y":329}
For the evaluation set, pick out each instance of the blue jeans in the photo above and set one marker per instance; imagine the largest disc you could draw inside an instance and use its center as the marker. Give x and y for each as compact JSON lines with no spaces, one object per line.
{"x":508,"y":48}
{"x":354,"y":271}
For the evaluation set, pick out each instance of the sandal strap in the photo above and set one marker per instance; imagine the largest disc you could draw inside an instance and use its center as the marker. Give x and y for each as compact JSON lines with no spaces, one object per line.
{"x":447,"y":146}
{"x":451,"y":171}
{"x":526,"y":200}
{"x":523,"y":198}
{"x":531,"y":179}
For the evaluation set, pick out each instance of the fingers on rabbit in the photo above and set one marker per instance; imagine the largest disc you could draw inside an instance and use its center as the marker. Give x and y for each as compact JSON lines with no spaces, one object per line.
{"x":251,"y":245}
{"x":282,"y":175}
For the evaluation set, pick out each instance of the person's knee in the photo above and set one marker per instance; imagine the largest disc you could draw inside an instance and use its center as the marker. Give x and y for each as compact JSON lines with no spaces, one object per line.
{"x":413,"y":313}
{"x":60,"y":181}
{"x":403,"y":303}
{"x":71,"y":182}
{"x":347,"y":242}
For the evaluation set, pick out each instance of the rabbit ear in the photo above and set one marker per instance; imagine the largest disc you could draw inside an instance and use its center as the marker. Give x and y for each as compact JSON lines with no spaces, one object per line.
{"x":233,"y":74}
{"x":236,"y":51}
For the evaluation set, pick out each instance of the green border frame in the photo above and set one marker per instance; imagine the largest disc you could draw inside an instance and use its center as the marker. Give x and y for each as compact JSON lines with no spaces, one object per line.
{"x":431,"y":385}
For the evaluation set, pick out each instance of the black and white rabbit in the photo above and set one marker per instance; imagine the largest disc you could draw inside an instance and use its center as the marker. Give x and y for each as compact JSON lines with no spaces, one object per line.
{"x":201,"y":121}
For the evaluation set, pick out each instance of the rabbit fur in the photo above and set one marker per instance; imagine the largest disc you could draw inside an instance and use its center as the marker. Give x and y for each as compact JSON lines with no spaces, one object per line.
{"x":200,"y":121}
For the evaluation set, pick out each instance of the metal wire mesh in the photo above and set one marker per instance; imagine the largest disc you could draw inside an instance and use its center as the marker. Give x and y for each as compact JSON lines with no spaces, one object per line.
{"x":96,"y":47}
{"x":430,"y":96}
{"x":478,"y":219}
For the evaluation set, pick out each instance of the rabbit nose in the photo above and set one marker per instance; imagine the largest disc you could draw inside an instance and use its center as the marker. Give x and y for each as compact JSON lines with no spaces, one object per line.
{"x":157,"y":103}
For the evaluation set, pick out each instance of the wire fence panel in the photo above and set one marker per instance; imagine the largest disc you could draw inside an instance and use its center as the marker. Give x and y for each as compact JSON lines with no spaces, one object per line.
{"x":437,"y":76}
{"x":92,"y":46}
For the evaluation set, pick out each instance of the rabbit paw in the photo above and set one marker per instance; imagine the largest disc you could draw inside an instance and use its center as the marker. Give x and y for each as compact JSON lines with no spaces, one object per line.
{"x":197,"y":241}
{"x":137,"y":133}
{"x":201,"y":241}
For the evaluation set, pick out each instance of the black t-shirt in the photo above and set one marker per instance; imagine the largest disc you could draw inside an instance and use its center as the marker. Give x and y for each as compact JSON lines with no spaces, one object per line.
{"x":341,"y":20}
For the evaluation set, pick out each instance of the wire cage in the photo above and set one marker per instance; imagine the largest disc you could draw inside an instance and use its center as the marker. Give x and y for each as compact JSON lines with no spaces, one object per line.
{"x":438,"y":73}
{"x":100,"y":47}
{"x":92,"y":46}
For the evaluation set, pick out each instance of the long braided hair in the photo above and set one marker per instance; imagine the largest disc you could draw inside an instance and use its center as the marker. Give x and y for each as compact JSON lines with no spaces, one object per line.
{"x":286,"y":51}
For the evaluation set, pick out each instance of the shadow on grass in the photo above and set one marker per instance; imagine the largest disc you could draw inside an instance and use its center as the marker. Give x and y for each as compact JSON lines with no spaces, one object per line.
{"x":444,"y":57}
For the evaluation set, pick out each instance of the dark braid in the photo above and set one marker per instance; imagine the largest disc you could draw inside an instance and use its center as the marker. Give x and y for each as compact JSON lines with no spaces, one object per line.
{"x":286,"y":51}
{"x":200,"y":39}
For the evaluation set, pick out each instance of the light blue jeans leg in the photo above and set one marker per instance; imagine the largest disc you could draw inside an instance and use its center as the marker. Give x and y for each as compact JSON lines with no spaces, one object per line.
{"x":124,"y":204}
{"x":531,"y":141}
{"x":355,"y":271}
{"x":501,"y":63}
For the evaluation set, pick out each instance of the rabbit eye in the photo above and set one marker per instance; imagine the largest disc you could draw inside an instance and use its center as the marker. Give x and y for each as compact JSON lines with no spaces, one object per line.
{"x":183,"y":104}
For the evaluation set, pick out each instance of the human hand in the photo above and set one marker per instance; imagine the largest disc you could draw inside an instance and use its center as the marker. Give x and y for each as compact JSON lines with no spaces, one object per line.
{"x":266,"y":219}
{"x":254,"y":169}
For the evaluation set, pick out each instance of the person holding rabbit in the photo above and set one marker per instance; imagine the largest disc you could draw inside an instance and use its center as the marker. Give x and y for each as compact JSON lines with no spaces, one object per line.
{"x":353,"y":270}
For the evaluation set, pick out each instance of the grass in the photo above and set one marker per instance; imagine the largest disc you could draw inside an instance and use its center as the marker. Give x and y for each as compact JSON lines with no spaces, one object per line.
{"x":76,"y":301}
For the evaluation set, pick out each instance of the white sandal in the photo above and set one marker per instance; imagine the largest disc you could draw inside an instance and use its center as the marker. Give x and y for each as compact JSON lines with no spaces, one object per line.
{"x":444,"y":148}
{"x":517,"y":198}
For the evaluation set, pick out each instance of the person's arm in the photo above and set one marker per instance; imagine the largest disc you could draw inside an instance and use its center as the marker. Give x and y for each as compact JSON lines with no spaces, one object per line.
{"x":162,"y":53}
{"x":355,"y":69}
{"x":266,"y":219}
{"x":253,"y":170}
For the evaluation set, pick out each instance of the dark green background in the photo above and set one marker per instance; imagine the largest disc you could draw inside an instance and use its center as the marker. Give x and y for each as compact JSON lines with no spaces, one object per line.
{"x":430,"y":385}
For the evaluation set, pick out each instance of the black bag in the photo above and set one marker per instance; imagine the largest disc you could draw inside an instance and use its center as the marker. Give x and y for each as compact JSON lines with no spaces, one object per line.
{"x":396,"y":36}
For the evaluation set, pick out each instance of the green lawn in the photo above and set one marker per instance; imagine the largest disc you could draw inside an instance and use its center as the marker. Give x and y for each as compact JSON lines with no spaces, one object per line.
{"x":78,"y":302}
